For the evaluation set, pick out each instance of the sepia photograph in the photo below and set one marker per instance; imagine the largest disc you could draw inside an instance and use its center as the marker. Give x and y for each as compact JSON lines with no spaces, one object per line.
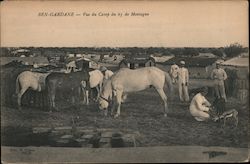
{"x":124,"y":81}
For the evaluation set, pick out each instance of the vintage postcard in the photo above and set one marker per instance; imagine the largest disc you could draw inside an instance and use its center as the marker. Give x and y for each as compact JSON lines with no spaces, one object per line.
{"x":124,"y":81}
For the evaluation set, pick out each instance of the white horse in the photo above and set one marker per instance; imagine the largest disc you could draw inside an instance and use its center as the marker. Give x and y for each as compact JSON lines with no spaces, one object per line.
{"x":28,"y":79}
{"x":96,"y":80}
{"x":174,"y":72}
{"x":127,"y":80}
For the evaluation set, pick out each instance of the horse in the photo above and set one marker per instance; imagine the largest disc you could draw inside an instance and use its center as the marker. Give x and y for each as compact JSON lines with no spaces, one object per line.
{"x":174,"y":72}
{"x":28,"y":79}
{"x":71,"y":81}
{"x":126,"y":80}
{"x":96,"y":80}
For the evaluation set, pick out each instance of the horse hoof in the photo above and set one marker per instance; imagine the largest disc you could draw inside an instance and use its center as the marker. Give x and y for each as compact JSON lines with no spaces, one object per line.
{"x":105,"y":113}
{"x":116,"y":116}
{"x":56,"y":109}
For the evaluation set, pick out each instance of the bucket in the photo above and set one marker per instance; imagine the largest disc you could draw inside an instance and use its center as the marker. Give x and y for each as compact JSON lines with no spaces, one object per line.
{"x":117,"y":141}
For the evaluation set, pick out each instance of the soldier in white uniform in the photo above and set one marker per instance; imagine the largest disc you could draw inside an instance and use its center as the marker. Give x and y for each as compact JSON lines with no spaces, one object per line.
{"x":106,"y":73}
{"x":219,"y":76}
{"x":71,"y":66}
{"x":199,"y":106}
{"x":174,"y":72}
{"x":35,"y":65}
{"x":183,"y":79}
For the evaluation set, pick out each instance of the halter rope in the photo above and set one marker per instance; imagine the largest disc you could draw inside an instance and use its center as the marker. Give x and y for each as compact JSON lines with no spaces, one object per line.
{"x":105,"y":99}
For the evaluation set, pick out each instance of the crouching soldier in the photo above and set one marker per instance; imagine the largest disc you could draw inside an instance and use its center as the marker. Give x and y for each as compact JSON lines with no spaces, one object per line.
{"x":200,"y":106}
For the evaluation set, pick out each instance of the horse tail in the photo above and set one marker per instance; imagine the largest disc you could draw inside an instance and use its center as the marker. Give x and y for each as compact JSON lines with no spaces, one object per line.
{"x":46,"y":91}
{"x":17,"y":85}
{"x":169,"y":83}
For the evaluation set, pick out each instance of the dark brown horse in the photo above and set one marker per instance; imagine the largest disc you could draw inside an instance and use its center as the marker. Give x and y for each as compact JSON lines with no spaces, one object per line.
{"x":72,"y":82}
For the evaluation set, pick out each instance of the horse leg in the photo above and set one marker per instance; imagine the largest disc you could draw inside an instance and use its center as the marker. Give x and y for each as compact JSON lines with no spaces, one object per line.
{"x":49,"y":98}
{"x":118,"y":101}
{"x":224,"y":122}
{"x":100,"y":86}
{"x":19,"y":97}
{"x":124,"y":97}
{"x":114,"y":105}
{"x":72,"y":96}
{"x":164,"y":98}
{"x":98,"y":93}
{"x":42,"y":100}
{"x":87,"y":97}
{"x":83,"y":94}
{"x":99,"y":89}
{"x":53,"y":97}
{"x":236,"y":121}
{"x":84,"y":86}
{"x":78,"y":93}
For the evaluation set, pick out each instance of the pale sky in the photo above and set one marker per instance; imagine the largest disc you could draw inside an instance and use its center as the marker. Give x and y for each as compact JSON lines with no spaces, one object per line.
{"x":169,"y":24}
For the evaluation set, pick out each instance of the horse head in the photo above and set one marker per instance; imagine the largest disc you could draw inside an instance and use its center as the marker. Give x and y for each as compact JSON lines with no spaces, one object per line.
{"x":173,"y":72}
{"x":105,"y":96}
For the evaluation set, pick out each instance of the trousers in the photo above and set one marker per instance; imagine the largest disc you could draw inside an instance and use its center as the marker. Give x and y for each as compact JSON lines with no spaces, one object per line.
{"x":220,"y":90}
{"x":183,"y":92}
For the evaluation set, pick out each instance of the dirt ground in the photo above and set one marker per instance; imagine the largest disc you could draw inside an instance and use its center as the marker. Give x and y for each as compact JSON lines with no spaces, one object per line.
{"x":142,"y":112}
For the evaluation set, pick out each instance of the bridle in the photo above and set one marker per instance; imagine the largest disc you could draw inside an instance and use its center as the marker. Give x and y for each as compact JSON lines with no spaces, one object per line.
{"x":105,"y":99}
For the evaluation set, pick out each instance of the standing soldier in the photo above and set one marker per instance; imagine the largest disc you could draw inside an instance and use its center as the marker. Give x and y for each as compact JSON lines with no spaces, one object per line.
{"x":183,"y":78}
{"x":35,"y":65}
{"x":219,"y":76}
{"x":174,"y":72}
{"x":71,"y":66}
{"x":106,"y":73}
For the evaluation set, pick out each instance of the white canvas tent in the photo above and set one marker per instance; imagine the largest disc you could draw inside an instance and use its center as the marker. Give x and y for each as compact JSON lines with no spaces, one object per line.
{"x":237,"y":62}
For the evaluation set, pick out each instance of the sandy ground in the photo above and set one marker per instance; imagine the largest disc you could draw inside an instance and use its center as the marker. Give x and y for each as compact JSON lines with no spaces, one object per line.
{"x":142,"y":112}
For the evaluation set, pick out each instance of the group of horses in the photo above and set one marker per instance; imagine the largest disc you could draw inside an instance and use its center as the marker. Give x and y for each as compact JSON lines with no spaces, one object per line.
{"x":110,"y":92}
{"x":76,"y":83}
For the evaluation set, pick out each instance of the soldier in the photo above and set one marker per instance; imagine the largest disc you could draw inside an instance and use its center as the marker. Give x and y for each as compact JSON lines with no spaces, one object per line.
{"x":35,"y":65}
{"x":199,"y":106}
{"x":183,"y":79}
{"x":71,"y":66}
{"x":219,"y":76}
{"x":106,"y":73}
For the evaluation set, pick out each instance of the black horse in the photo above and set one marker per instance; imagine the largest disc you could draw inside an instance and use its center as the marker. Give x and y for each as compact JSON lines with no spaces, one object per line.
{"x":72,"y":82}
